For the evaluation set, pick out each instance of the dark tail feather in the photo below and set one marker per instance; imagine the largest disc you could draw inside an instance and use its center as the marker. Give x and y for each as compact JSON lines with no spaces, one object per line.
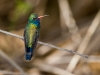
{"x":29,"y":53}
{"x":28,"y":57}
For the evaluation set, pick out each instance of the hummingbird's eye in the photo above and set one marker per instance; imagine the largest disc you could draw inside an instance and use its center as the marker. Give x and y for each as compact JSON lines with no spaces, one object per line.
{"x":34,"y":18}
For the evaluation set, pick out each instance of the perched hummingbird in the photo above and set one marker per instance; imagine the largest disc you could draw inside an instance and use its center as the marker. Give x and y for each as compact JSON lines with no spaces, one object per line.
{"x":31,"y":34}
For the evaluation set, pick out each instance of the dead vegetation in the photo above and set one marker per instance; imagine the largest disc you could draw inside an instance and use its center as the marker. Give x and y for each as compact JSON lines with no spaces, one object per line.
{"x":72,"y":24}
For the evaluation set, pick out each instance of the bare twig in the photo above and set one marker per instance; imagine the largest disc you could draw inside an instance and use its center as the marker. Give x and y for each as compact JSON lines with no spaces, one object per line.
{"x":93,"y":59}
{"x":14,"y":64}
{"x":14,"y":73}
{"x":67,"y":59}
{"x":67,"y":19}
{"x":85,"y":42}
{"x":46,"y":44}
{"x":57,"y":55}
{"x":48,"y":68}
{"x":67,"y":16}
{"x":11,"y":73}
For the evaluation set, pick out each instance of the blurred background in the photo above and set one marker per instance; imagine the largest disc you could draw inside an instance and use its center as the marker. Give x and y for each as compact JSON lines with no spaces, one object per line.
{"x":72,"y":24}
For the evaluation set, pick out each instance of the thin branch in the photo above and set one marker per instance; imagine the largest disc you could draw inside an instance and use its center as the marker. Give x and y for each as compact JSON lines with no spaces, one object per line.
{"x":67,"y":22}
{"x":85,"y":42}
{"x":15,"y":73}
{"x":11,"y":73}
{"x":14,"y":64}
{"x":67,"y":16}
{"x":49,"y":68}
{"x":46,"y":44}
{"x":67,"y":59}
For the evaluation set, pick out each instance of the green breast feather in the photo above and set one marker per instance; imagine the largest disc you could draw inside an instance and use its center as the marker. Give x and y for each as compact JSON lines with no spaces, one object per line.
{"x":31,"y":34}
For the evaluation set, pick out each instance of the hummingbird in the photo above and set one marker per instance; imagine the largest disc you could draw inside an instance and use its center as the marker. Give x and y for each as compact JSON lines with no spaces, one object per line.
{"x":31,"y":34}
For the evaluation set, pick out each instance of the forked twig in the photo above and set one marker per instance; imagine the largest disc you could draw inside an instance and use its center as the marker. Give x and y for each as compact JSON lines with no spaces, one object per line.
{"x":46,"y":44}
{"x":85,"y":42}
{"x":69,"y":20}
{"x":14,"y":64}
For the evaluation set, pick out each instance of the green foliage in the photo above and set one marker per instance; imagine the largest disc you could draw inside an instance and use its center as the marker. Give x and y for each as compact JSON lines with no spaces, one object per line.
{"x":22,"y":8}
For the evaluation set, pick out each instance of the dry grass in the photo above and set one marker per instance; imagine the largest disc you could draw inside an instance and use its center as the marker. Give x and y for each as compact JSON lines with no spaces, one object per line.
{"x":68,"y":25}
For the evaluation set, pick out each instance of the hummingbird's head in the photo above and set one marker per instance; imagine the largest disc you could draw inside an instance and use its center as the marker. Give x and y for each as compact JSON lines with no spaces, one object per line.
{"x":35,"y":18}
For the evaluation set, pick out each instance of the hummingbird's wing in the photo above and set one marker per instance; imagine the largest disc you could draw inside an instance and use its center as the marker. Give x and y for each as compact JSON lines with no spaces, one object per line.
{"x":30,"y":38}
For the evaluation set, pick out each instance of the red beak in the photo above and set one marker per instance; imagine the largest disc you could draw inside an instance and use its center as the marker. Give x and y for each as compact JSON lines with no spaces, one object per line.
{"x":42,"y":16}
